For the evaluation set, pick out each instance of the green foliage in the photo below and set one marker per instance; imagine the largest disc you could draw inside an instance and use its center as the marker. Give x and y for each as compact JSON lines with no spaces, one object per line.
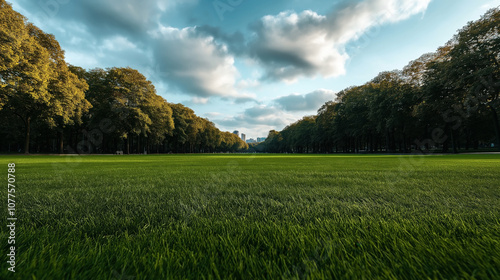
{"x":109,"y":109}
{"x":256,"y":217}
{"x":35,"y":81}
{"x":13,"y":36}
{"x":67,"y":91}
{"x":193,"y":134}
{"x":105,"y":108}
{"x":452,"y":93}
{"x":129,"y":93}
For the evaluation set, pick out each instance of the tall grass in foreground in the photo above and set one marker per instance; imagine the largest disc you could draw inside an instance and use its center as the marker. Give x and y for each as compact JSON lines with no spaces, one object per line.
{"x":253,"y":217}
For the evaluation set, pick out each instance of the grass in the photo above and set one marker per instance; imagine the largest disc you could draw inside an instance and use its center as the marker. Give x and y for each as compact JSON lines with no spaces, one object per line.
{"x":254,"y":217}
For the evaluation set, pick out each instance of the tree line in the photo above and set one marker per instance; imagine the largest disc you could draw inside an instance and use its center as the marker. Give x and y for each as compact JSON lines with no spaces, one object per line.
{"x":47,"y":105}
{"x":447,"y":100}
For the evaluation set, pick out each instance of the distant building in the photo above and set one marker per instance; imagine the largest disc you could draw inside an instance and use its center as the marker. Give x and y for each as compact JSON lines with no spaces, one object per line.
{"x":251,"y":140}
{"x":236,"y":132}
{"x":243,"y":137}
{"x":261,"y":139}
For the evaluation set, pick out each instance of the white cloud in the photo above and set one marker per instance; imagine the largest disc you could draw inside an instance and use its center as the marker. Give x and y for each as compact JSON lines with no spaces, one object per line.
{"x":291,"y":45}
{"x":307,"y":102}
{"x":488,"y":6}
{"x":196,"y":64}
{"x":118,"y":43}
{"x":212,"y":114}
{"x":258,"y":120}
{"x":102,"y":18}
{"x":248,"y":83}
{"x":199,"y":100}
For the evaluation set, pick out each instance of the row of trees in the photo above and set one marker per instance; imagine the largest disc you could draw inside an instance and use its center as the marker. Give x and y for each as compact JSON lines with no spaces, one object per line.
{"x":447,"y":100}
{"x":51,"y":106}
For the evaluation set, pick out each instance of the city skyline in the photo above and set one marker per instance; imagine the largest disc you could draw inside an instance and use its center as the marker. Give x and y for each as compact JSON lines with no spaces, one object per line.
{"x":250,"y":139}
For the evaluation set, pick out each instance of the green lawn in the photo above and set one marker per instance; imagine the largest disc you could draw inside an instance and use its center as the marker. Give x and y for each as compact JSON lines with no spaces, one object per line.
{"x":254,"y":217}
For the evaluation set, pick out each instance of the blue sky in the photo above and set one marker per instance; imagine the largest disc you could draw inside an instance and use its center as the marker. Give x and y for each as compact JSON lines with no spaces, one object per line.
{"x":251,"y":65}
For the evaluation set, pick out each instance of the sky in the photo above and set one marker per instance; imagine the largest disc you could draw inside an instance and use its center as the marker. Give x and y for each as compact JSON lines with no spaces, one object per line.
{"x":251,"y":65}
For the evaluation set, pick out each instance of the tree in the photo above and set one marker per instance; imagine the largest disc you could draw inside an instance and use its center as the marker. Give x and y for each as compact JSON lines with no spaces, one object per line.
{"x":274,"y":141}
{"x":160,"y":113}
{"x":354,"y":114}
{"x":129,"y":92}
{"x":183,"y":117}
{"x":209,"y":137}
{"x":67,"y":90}
{"x":13,"y":39}
{"x":35,"y":81}
{"x":474,"y":65}
{"x":327,"y":123}
{"x":25,"y":71}
{"x":38,"y":88}
{"x":391,"y":104}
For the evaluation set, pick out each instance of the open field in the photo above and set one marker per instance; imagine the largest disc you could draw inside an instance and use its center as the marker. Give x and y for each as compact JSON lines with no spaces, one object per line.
{"x":252,"y":217}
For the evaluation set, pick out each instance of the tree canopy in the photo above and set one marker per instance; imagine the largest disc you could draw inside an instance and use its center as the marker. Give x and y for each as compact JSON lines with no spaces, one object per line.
{"x":96,"y":111}
{"x":446,"y":100}
{"x":442,"y":100}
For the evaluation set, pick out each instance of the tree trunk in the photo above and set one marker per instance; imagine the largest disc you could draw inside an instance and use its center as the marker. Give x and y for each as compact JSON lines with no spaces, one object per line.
{"x":453,"y":142}
{"x":139,"y":144}
{"x":387,"y":140}
{"x":27,"y":135}
{"x":497,"y":125}
{"x":405,"y":148}
{"x":61,"y":142}
{"x":128,"y":145}
{"x":445,"y":145}
{"x":467,"y":140}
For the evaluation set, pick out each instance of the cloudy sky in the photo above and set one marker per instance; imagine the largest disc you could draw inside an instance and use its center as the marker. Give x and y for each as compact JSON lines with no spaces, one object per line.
{"x":251,"y":65}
